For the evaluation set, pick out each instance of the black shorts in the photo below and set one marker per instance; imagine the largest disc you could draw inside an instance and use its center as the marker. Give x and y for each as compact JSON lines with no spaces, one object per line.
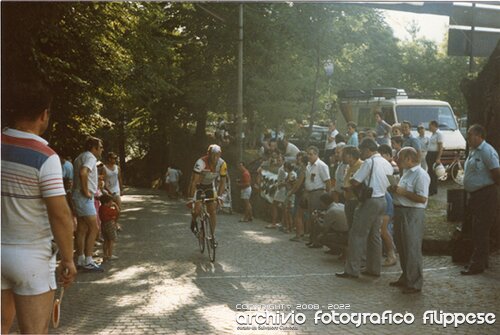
{"x":208,"y":190}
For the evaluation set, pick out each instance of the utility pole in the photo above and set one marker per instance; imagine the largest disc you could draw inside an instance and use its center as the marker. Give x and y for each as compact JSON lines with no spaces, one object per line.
{"x":239,"y":118}
{"x":473,"y":28}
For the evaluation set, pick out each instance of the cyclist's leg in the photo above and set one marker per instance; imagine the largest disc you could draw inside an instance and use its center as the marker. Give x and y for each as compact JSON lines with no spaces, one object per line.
{"x":195,"y":213}
{"x":212,"y":212}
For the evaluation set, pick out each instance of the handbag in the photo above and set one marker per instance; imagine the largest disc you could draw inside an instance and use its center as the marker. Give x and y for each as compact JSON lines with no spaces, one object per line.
{"x":362,"y":191}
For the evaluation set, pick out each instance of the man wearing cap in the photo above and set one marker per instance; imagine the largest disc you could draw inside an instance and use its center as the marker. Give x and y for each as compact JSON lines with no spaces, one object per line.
{"x":365,"y":230}
{"x":481,"y":175}
{"x":205,"y":172}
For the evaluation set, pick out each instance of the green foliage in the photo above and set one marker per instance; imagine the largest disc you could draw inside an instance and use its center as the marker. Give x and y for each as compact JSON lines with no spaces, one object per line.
{"x":148,"y":77}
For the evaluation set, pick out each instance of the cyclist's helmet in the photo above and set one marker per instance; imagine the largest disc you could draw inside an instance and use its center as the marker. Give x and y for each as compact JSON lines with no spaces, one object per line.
{"x":214,"y":148}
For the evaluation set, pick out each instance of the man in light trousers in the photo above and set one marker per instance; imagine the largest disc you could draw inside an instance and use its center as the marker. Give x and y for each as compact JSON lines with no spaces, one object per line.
{"x":365,"y":230}
{"x":410,"y":200}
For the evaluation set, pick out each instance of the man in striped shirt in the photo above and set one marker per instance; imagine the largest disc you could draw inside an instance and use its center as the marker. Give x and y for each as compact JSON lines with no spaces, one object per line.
{"x":34,"y":211}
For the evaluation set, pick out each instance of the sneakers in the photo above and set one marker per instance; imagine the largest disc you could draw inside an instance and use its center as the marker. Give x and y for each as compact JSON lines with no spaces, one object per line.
{"x":91,"y":267}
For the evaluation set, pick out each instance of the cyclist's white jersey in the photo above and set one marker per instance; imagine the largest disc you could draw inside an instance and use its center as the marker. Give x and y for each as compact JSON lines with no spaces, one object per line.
{"x":208,"y":176}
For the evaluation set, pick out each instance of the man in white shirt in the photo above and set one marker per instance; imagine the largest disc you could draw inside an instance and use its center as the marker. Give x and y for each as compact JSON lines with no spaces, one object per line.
{"x":85,"y":186}
{"x":365,"y":230}
{"x":317,"y":181}
{"x":172,"y":178}
{"x":289,"y":150}
{"x":330,"y":144}
{"x":410,"y":201}
{"x":34,"y":212}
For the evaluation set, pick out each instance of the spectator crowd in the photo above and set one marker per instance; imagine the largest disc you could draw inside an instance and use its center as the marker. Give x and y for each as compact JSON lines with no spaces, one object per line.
{"x":365,"y":197}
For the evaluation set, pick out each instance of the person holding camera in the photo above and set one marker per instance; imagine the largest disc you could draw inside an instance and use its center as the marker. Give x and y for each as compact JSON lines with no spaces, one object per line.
{"x":369,"y":184}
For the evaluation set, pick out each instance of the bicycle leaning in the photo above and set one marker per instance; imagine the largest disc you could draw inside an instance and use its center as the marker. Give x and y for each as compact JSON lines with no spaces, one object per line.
{"x":203,"y":229}
{"x":454,"y":171}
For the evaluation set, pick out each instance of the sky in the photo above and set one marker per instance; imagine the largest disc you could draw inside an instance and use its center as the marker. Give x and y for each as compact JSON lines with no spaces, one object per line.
{"x":433,"y":27}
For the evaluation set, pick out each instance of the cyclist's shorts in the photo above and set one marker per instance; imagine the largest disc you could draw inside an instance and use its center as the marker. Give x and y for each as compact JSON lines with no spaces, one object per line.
{"x":209,"y":191}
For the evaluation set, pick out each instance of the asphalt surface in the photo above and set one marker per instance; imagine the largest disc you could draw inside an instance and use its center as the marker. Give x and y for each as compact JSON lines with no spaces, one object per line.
{"x":161,"y":284}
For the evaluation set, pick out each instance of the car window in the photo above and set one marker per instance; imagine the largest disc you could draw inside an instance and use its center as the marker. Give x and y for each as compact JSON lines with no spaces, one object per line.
{"x":388,"y":113}
{"x":422,"y":115}
{"x":316,"y":136}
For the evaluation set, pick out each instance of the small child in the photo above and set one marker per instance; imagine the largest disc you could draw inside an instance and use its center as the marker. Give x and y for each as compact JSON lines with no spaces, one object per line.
{"x":108,"y":213}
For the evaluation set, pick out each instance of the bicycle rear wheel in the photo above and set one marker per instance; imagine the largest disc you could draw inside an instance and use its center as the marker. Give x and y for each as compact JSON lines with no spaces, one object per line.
{"x":457,"y":173}
{"x":210,"y":241}
{"x":201,"y":236}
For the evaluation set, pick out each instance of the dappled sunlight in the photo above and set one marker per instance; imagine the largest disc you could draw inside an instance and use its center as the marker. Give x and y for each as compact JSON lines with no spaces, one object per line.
{"x":170,"y":296}
{"x":218,"y":316}
{"x":130,"y":273}
{"x":128,"y":300}
{"x":178,"y":224}
{"x":129,"y":198}
{"x":132,"y":209}
{"x":259,"y":237}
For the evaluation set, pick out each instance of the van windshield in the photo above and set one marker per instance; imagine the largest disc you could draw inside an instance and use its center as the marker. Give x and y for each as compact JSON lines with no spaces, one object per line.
{"x":422,"y":115}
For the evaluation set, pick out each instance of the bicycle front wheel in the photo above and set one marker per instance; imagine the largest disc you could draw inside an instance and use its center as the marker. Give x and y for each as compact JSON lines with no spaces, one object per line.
{"x":210,"y":241}
{"x":201,"y":236}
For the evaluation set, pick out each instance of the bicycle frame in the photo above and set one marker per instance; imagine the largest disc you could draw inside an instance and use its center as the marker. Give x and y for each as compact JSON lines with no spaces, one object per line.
{"x":205,"y":233}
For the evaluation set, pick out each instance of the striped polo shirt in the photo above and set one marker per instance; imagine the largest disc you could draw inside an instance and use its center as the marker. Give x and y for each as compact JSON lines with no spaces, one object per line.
{"x":31,"y":171}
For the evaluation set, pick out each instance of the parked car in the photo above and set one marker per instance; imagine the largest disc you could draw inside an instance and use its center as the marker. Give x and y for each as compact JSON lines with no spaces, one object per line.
{"x":360,"y":106}
{"x":317,"y":138}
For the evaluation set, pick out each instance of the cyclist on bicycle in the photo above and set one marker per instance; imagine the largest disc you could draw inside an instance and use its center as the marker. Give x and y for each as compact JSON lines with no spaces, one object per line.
{"x":206,"y":170}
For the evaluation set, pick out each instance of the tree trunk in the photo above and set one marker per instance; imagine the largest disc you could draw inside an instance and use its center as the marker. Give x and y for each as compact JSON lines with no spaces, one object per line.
{"x":483,"y":102}
{"x":483,"y":98}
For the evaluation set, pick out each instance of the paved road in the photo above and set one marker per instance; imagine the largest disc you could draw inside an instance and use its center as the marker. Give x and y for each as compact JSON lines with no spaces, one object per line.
{"x":162,"y":284}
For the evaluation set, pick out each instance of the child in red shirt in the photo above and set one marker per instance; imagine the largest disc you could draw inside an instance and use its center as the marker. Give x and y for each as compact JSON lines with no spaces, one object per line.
{"x":108,"y":213}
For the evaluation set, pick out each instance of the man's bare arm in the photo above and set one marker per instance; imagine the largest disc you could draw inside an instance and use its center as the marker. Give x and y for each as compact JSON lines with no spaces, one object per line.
{"x":195,"y":180}
{"x":84,"y":181}
{"x":61,"y":223}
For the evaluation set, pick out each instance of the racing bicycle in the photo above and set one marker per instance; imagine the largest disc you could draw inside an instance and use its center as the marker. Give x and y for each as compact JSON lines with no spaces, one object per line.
{"x":204,"y":231}
{"x":455,"y":171}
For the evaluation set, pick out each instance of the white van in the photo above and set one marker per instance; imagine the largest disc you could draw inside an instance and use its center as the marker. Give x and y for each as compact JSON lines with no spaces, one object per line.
{"x":360,"y":106}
